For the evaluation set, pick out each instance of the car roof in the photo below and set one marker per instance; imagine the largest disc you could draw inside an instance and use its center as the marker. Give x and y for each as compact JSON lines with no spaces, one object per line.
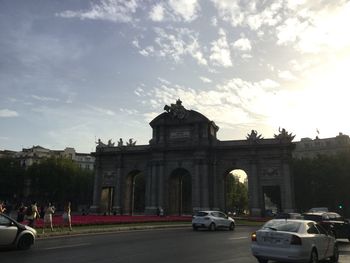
{"x":293,"y":220}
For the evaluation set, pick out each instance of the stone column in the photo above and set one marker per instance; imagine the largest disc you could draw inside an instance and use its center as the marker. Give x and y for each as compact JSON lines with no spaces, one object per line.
{"x":288,"y":204}
{"x":204,"y":186}
{"x":216,"y":203}
{"x":148,"y":202}
{"x":161,"y":184}
{"x":118,"y":192}
{"x":254,"y":192}
{"x":196,"y":202}
{"x":97,"y":186}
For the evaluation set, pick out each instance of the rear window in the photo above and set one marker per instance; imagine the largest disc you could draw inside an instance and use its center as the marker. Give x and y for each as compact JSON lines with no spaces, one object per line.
{"x":316,"y":218}
{"x":286,"y":226}
{"x":201,"y":214}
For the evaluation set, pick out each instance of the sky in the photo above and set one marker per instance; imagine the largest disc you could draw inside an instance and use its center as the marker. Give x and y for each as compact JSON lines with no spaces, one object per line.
{"x":73,"y":71}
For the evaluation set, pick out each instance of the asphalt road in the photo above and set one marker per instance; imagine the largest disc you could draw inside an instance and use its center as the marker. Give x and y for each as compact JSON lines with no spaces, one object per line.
{"x":165,"y":245}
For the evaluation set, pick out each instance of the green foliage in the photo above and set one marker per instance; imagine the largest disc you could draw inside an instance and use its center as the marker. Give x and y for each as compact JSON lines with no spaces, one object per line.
{"x":58,"y":180}
{"x":323,"y":182}
{"x":11,"y":179}
{"x":236,"y":194}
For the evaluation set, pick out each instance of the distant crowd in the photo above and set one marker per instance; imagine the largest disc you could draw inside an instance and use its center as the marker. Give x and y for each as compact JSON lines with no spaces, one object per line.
{"x":30,"y":213}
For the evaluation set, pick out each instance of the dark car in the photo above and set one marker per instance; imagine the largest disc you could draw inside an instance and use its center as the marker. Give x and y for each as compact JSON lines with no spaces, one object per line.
{"x":333,"y":222}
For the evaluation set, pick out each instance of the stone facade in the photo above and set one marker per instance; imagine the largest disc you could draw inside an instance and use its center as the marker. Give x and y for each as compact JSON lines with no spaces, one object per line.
{"x":185,"y":165}
{"x":310,"y":148}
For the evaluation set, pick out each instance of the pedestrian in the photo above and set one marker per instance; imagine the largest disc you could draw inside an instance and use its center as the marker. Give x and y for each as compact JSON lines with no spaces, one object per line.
{"x":67,"y":219}
{"x":21,"y":212}
{"x":49,"y":211}
{"x":32,"y":214}
{"x":2,"y":207}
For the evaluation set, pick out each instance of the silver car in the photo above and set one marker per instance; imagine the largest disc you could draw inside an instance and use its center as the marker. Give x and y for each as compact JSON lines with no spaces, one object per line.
{"x":212,"y":220}
{"x":293,"y":240}
{"x":14,"y":234}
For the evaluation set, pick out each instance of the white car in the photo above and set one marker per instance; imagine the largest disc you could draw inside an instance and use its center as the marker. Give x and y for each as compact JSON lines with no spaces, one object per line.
{"x":212,"y":220}
{"x":293,"y":240}
{"x":14,"y":234}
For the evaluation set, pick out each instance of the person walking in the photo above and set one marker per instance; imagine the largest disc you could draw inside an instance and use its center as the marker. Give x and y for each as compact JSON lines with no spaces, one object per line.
{"x":67,"y":219}
{"x":2,"y":207}
{"x":21,"y":213}
{"x":32,"y":214}
{"x":49,"y":211}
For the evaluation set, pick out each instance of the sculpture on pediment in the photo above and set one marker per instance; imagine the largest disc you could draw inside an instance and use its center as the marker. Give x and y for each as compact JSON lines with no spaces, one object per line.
{"x":131,"y":142}
{"x":110,"y":143}
{"x":100,"y":144}
{"x":176,"y":110}
{"x":284,"y":135}
{"x":254,"y":136}
{"x":120,"y":142}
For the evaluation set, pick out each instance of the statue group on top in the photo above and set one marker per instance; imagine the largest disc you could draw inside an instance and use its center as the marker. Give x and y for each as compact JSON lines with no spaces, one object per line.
{"x":253,"y":136}
{"x":176,"y":110}
{"x":120,"y":143}
{"x":284,"y":135}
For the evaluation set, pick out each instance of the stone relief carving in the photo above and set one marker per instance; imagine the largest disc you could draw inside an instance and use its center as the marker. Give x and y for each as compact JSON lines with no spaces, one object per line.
{"x":270,"y":172}
{"x":176,"y":110}
{"x":109,"y":178}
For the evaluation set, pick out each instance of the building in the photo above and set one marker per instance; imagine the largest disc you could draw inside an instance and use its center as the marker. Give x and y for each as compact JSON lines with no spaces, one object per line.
{"x":310,"y":148}
{"x":185,"y":168}
{"x":35,"y":154}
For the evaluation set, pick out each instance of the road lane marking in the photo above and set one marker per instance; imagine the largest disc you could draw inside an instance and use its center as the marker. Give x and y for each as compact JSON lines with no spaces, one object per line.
{"x":68,"y":246}
{"x":236,"y":238}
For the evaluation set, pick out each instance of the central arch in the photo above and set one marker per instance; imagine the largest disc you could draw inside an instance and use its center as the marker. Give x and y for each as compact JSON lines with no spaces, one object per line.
{"x":134,"y":200}
{"x":236,"y":191}
{"x":180,"y":192}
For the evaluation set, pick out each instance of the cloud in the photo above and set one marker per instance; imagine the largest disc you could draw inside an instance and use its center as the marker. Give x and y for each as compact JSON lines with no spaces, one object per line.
{"x":103,"y":111}
{"x":286,"y":75}
{"x":41,"y":98}
{"x":6,"y":113}
{"x":187,"y":9}
{"x":205,"y":79}
{"x":253,"y":14}
{"x":157,"y":13}
{"x":230,"y":103}
{"x":242,"y":44}
{"x":220,"y":51}
{"x":111,"y":10}
{"x":175,"y":44}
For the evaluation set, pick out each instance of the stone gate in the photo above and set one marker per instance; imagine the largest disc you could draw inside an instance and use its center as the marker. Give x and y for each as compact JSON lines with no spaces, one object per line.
{"x":183,"y":168}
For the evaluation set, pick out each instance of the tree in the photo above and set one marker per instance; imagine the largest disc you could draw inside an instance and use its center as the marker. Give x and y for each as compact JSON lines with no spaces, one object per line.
{"x":323,"y":181}
{"x":236,"y":194}
{"x":11,"y":179}
{"x":59,"y":180}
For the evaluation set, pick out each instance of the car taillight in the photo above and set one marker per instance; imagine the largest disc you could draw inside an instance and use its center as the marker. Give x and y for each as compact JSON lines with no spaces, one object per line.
{"x":295,"y":240}
{"x":253,"y":237}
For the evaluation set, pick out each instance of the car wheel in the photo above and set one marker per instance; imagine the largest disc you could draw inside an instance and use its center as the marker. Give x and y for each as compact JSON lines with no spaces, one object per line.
{"x":314,"y":256}
{"x":335,"y":256}
{"x":25,"y":242}
{"x":195,"y":228}
{"x":232,"y":226}
{"x":212,"y":227}
{"x":262,"y":260}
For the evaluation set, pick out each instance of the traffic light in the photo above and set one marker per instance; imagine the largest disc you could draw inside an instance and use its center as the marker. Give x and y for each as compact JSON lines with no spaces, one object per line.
{"x":340,"y":206}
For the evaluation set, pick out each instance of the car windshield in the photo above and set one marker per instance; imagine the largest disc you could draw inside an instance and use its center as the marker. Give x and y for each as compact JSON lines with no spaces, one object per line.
{"x":287,"y":226}
{"x":201,"y":214}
